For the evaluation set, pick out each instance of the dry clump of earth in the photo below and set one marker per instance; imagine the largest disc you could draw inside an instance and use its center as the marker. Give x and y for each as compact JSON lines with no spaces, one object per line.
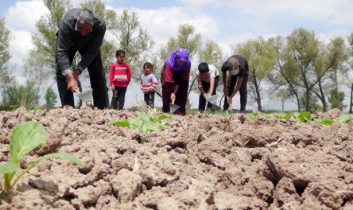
{"x":202,"y":161}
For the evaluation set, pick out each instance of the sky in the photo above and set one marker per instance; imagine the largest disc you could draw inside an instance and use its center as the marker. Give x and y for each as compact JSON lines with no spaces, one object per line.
{"x":226,"y":22}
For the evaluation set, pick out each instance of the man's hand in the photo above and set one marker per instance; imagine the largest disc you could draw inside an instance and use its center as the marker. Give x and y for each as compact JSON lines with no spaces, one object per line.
{"x":77,"y":73}
{"x":229,"y":100}
{"x":72,"y":84}
{"x":172,"y":97}
{"x":112,"y":87}
{"x":206,"y":95}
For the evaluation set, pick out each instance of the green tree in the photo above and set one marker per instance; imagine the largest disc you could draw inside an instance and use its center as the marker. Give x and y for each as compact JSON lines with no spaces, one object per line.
{"x":50,"y":98}
{"x":20,"y":96}
{"x":133,"y":39}
{"x":338,"y":54}
{"x":261,"y":55}
{"x":336,"y":99}
{"x":37,"y":73}
{"x":283,"y":95}
{"x":186,"y":38}
{"x":5,"y":76}
{"x":327,"y":66}
{"x":211,"y":53}
{"x":285,"y":76}
{"x":303,"y":46}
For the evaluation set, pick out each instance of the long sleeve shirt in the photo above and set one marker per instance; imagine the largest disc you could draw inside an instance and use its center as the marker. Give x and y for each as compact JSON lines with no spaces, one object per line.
{"x":176,"y":77}
{"x":119,"y":75}
{"x":148,"y":83}
{"x":69,"y":38}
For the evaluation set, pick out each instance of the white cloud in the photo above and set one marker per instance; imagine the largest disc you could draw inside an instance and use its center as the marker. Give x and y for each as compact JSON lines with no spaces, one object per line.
{"x":21,"y":44}
{"x":163,"y":23}
{"x":337,"y":12}
{"x":23,"y":15}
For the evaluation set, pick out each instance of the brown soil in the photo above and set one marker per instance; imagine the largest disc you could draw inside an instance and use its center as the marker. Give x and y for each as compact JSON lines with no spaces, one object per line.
{"x":194,"y":164}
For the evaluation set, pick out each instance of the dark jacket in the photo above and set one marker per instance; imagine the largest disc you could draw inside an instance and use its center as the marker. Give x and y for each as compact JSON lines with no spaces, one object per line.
{"x":68,"y":38}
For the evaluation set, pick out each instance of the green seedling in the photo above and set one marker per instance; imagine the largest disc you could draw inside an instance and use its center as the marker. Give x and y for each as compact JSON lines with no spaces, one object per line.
{"x":302,"y":116}
{"x":285,"y":116}
{"x":144,"y":122}
{"x":226,"y":113}
{"x":345,"y":118}
{"x":253,"y":116}
{"x":325,"y":121}
{"x":24,"y":138}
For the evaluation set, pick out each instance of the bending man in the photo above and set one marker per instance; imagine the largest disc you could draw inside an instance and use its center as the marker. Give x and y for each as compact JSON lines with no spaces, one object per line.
{"x":236,"y":80}
{"x":83,"y":31}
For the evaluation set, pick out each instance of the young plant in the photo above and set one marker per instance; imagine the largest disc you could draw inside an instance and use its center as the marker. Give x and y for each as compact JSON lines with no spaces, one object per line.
{"x":285,"y":116}
{"x":253,"y":116}
{"x":145,"y":122}
{"x":302,"y":116}
{"x":345,"y":118}
{"x":24,"y":138}
{"x":325,"y":121}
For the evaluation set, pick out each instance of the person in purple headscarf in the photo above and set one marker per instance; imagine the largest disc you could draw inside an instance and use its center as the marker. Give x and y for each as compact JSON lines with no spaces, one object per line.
{"x":175,"y":80}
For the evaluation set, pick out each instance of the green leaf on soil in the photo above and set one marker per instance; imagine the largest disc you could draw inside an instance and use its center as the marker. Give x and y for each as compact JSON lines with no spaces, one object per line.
{"x":325,"y":121}
{"x":285,"y":116}
{"x":25,"y":138}
{"x":252,"y":116}
{"x":345,"y":118}
{"x":121,"y":123}
{"x":303,"y":116}
{"x":144,"y":122}
{"x":8,"y":168}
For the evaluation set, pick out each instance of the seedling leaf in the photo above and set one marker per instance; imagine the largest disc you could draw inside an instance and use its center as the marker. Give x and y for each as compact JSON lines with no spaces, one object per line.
{"x":303,"y":116}
{"x":253,"y":116}
{"x":25,"y":138}
{"x":64,"y":156}
{"x":8,"y":168}
{"x":144,"y":122}
{"x":345,"y":118}
{"x":325,"y":121}
{"x":286,"y":116}
{"x":161,"y":117}
{"x":136,"y":123}
{"x":121,"y":123}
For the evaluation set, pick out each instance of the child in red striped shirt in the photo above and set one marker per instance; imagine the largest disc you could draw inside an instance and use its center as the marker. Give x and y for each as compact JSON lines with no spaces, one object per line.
{"x":148,"y":84}
{"x":119,"y":79}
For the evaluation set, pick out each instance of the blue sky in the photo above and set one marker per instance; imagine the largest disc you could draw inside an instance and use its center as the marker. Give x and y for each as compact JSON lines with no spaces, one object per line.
{"x":226,"y":22}
{"x":4,"y":5}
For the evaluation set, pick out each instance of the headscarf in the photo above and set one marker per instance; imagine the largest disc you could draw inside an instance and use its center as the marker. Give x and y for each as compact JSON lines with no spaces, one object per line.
{"x":179,"y":54}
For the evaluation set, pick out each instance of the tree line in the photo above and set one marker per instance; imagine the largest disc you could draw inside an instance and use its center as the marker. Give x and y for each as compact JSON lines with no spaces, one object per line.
{"x":298,"y":67}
